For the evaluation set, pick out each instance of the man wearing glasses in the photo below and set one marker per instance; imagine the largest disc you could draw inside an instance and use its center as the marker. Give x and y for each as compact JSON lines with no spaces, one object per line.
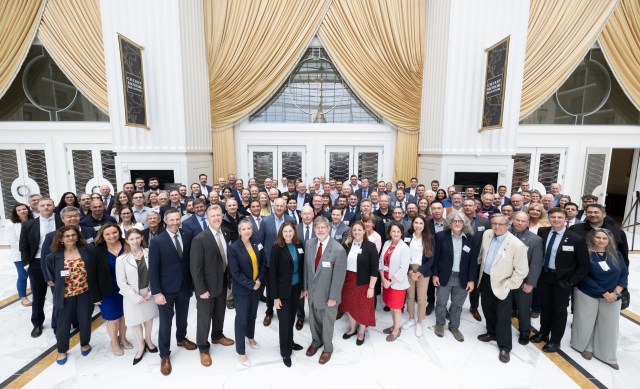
{"x":503,"y":266}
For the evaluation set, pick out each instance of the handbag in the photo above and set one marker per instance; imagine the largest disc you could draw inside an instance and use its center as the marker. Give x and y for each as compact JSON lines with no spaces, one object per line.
{"x":625,"y":298}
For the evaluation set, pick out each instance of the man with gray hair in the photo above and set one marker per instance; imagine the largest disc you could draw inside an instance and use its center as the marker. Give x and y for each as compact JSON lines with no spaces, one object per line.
{"x":325,"y":267}
{"x":547,"y":202}
{"x":454,"y":271}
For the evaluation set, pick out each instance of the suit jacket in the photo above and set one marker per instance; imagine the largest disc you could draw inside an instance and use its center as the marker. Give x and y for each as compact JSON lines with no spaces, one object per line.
{"x":127,"y":276}
{"x":505,"y":200}
{"x":398,"y":264}
{"x":301,"y":231}
{"x":87,"y":233}
{"x":379,"y":227}
{"x":432,"y":226}
{"x":510,"y":265}
{"x":367,"y":262}
{"x":326,"y":281}
{"x":572,"y":258}
{"x":30,"y":239}
{"x":358,"y":193}
{"x":230,"y":225}
{"x":99,"y":273}
{"x":443,"y":253}
{"x":241,"y":268}
{"x":426,"y":266}
{"x":207,"y":265}
{"x":57,"y":261}
{"x":281,"y":271}
{"x":168,"y":273}
{"x":180,"y":208}
{"x":146,"y":233}
{"x":307,"y":198}
{"x":341,"y":232}
{"x":193,"y":224}
{"x":535,"y":256}
{"x":296,"y":216}
{"x":268,"y":233}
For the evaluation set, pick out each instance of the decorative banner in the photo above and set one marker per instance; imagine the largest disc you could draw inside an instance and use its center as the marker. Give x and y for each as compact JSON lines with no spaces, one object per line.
{"x":497,"y":58}
{"x":133,"y":83}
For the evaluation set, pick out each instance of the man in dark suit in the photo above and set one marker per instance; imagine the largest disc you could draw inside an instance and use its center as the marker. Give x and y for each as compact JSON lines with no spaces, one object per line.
{"x":364,"y":191}
{"x":254,"y":217}
{"x":174,"y":202}
{"x":566,"y":263}
{"x":502,"y":191}
{"x":302,"y":197}
{"x":292,"y":210}
{"x":31,"y":240}
{"x":171,"y":284}
{"x":204,"y":188}
{"x":198,"y":222}
{"x":269,"y":227}
{"x":435,"y":224}
{"x":479,"y":225}
{"x":304,"y":232}
{"x":596,"y":218}
{"x":351,"y":210}
{"x":337,"y":229}
{"x":365,"y":208}
{"x":211,"y":280}
{"x":325,"y":268}
{"x":108,"y":199}
{"x":154,"y":227}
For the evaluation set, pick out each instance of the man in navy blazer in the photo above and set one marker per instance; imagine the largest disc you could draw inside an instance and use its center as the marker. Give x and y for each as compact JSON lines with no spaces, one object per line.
{"x":198,"y":222}
{"x":269,"y":226}
{"x":455,"y":270}
{"x":204,"y":188}
{"x":171,"y":284}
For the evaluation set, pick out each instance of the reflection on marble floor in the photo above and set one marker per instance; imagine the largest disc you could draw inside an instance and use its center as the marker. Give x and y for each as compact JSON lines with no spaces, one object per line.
{"x":407,"y":362}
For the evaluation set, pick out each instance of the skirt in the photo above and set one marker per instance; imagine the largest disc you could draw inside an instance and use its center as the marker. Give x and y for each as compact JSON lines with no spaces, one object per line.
{"x":393,"y":298}
{"x":135,"y":314}
{"x":356,"y":303}
{"x":111,"y":307}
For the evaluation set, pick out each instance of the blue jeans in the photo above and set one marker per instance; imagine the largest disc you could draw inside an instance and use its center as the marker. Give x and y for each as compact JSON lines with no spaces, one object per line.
{"x":21,"y":284}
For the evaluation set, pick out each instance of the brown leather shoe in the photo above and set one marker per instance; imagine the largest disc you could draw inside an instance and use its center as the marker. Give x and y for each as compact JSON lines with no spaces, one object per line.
{"x":311,"y":351}
{"x":224,"y":341}
{"x":165,"y":366}
{"x":299,"y":324}
{"x":187,"y":344}
{"x":324,"y":358}
{"x":486,"y":337}
{"x":267,"y":321}
{"x":205,"y":359}
{"x":476,"y":314}
{"x":504,"y":356}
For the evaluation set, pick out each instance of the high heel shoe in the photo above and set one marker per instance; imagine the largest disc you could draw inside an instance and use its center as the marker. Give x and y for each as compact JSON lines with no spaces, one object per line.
{"x":361,"y":342}
{"x":136,"y":360}
{"x":151,"y":350}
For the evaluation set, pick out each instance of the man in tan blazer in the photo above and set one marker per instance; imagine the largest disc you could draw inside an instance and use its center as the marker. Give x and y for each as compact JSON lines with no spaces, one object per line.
{"x":504,"y":265}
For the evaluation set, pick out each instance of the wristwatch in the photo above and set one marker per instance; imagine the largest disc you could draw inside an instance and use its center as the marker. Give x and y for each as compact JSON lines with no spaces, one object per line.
{"x":617,"y":293}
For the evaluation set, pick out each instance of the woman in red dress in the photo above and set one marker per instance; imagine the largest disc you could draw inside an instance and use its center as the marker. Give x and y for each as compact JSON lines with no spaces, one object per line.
{"x":358,"y":290}
{"x":394,"y":265}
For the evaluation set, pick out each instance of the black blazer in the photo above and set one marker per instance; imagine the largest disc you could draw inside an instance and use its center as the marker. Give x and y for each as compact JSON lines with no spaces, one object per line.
{"x":207,"y":265}
{"x":56,"y":259}
{"x":426,"y":267}
{"x":30,"y":239}
{"x":169,"y":273}
{"x":99,"y":273}
{"x":572,"y":258}
{"x":443,"y":254}
{"x":367,"y":262}
{"x":241,"y":268}
{"x":281,"y":271}
{"x":145,"y":233}
{"x":87,"y":233}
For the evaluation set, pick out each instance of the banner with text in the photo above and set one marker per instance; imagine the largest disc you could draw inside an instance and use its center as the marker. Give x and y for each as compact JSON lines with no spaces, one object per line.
{"x":133,"y":83}
{"x":496,"y":76}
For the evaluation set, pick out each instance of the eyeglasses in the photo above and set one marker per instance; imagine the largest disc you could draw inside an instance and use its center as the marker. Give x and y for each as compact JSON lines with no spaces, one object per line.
{"x":70,"y":236}
{"x":498,"y":224}
{"x":457,"y":222}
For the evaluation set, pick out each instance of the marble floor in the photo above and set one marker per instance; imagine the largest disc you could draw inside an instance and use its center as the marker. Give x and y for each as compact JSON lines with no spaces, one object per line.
{"x":407,"y":362}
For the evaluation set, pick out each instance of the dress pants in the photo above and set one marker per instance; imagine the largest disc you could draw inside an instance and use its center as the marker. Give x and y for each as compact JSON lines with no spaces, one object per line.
{"x":522,"y":301}
{"x":554,"y":299}
{"x":431,"y":293}
{"x":321,"y":321}
{"x":458,"y":296}
{"x":75,"y":308}
{"x":300,"y":311}
{"x":286,"y":320}
{"x":39,"y":290}
{"x":178,"y":303}
{"x":245,"y":322}
{"x":474,"y":296}
{"x":535,"y":300}
{"x":269,"y":311}
{"x":210,"y":317}
{"x":497,"y":313}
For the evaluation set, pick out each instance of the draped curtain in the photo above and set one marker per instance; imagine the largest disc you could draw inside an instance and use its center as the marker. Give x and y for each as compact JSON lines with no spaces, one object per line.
{"x":559,"y":35}
{"x":620,"y":43}
{"x":378,"y":47}
{"x":71,"y":31}
{"x":19,"y":21}
{"x":252,"y":47}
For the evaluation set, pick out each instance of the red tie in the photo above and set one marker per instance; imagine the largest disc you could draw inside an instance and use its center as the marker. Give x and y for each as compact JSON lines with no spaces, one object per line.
{"x":318,"y":255}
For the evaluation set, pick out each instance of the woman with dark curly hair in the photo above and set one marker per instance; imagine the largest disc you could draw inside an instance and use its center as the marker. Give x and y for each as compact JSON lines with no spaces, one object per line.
{"x":68,"y":199}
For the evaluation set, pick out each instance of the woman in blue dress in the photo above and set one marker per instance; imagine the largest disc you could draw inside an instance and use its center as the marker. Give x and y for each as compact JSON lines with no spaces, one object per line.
{"x":104,"y":287}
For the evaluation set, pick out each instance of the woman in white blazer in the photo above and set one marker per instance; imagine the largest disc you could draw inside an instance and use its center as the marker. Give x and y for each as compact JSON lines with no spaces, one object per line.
{"x":133,"y":281}
{"x":394,"y":266}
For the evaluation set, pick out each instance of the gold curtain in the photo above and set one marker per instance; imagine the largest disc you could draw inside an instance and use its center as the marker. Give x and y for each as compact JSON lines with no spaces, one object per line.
{"x":559,"y":35}
{"x":620,"y":43}
{"x":19,"y":21}
{"x":378,"y":47}
{"x":71,"y":31}
{"x":252,"y":46}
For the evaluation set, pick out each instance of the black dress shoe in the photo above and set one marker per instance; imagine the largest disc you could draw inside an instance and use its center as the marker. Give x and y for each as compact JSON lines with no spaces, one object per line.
{"x":504,"y":356}
{"x":299,"y":324}
{"x":551,"y":347}
{"x":386,"y":309}
{"x":360,"y":342}
{"x":486,"y":337}
{"x":430,"y":308}
{"x":36,"y":332}
{"x":539,"y":337}
{"x":136,"y":360}
{"x":523,"y":339}
{"x":347,"y":335}
{"x":296,"y":347}
{"x":286,"y":361}
{"x":151,"y":350}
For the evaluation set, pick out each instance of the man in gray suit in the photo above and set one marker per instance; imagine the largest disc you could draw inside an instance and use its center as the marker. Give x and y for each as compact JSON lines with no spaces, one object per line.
{"x":304,"y":232}
{"x":325,"y":268}
{"x":338,"y":230}
{"x":524,"y":296}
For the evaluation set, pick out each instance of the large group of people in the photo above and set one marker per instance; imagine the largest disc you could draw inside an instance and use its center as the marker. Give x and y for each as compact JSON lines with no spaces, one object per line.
{"x":316,"y":253}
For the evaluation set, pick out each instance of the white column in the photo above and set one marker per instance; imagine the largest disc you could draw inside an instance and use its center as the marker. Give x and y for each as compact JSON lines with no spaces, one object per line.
{"x":176,"y":87}
{"x":457,"y":34}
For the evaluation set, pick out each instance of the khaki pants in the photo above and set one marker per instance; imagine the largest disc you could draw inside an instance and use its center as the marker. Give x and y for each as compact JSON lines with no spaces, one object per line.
{"x":421,"y":286}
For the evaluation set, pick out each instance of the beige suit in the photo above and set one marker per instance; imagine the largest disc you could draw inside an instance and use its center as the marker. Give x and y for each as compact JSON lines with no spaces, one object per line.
{"x":127,"y":278}
{"x":510,"y":266}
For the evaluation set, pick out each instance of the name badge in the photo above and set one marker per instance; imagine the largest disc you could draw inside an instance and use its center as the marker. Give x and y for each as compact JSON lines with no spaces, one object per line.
{"x":567,"y":248}
{"x":326,"y":264}
{"x":64,"y":273}
{"x":359,"y":251}
{"x":300,"y":250}
{"x":90,"y":240}
{"x":346,"y":222}
{"x":96,"y":228}
{"x":466,"y":249}
{"x":604,"y":266}
{"x":480,"y":228}
{"x":259,"y":246}
{"x":407,"y":240}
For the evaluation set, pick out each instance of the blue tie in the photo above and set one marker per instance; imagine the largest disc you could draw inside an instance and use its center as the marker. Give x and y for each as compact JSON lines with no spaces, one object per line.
{"x":364,"y":194}
{"x":547,"y":254}
{"x":204,"y":223}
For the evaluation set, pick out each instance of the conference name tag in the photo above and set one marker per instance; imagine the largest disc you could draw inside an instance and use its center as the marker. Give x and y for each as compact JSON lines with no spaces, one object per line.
{"x":90,"y":240}
{"x":466,"y":249}
{"x":259,"y":246}
{"x":346,"y":222}
{"x":480,"y":228}
{"x":567,"y":248}
{"x":64,"y":273}
{"x":300,"y":250}
{"x":407,"y":240}
{"x":326,"y":264}
{"x":96,"y":228}
{"x":359,"y":251}
{"x":604,"y":266}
